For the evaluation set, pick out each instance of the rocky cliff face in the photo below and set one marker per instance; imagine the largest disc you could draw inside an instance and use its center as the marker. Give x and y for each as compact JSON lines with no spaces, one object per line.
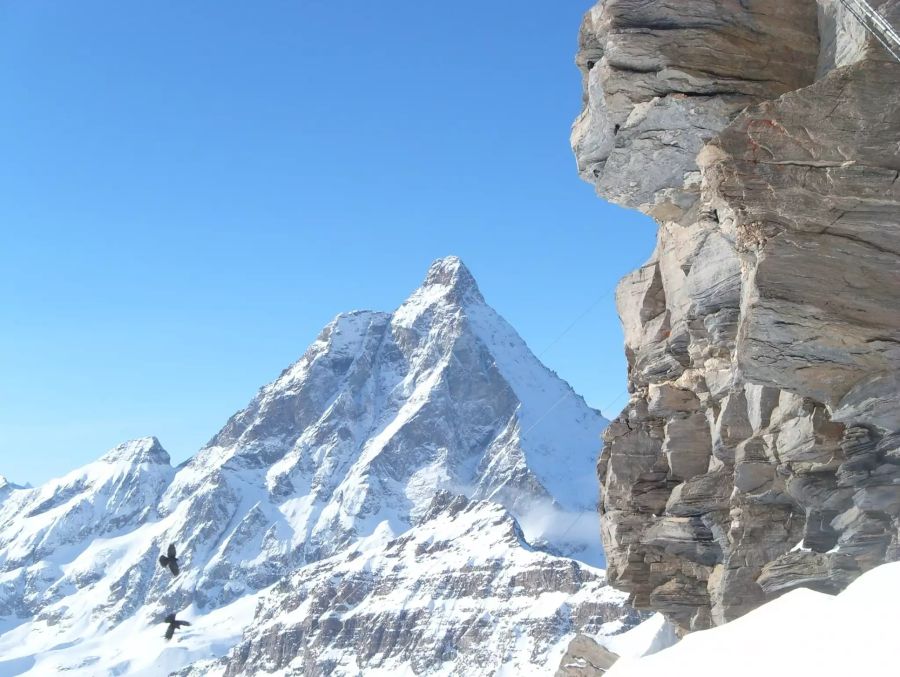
{"x":759,"y":450}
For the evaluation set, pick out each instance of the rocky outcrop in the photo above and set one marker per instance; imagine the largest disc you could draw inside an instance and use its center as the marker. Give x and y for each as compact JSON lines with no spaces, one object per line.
{"x":585,"y":658}
{"x":759,"y":450}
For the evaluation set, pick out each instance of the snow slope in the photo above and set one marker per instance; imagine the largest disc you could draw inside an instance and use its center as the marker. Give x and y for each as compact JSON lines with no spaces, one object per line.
{"x":348,"y":446}
{"x":132,"y":647}
{"x":649,"y":637}
{"x":801,"y":633}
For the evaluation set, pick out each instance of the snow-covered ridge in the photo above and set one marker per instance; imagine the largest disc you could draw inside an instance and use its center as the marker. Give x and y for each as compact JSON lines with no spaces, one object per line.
{"x":801,"y":633}
{"x":346,"y":450}
{"x":117,"y":491}
{"x":7,"y":488}
{"x":461,"y":577}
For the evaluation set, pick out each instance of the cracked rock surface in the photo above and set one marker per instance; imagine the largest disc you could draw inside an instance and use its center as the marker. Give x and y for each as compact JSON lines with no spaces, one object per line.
{"x":759,"y":451}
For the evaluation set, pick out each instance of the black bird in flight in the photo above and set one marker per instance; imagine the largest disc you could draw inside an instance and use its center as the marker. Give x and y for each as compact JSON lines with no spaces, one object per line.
{"x":173,"y":624}
{"x":170,"y":560}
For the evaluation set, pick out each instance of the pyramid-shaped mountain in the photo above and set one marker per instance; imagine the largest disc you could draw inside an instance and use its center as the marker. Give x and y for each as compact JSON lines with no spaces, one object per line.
{"x":389,"y":429}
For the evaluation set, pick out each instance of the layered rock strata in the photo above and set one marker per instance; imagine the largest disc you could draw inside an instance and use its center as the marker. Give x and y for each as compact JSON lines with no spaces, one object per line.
{"x":759,"y":450}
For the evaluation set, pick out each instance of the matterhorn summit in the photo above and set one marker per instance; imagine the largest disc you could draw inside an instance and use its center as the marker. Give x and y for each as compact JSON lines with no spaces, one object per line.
{"x":416,"y":492}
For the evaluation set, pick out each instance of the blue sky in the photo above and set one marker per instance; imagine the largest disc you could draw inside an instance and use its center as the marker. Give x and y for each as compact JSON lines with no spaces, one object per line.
{"x":189,"y":191}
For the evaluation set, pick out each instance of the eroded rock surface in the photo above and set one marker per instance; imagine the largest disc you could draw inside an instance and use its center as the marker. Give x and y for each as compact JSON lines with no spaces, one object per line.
{"x":585,"y":658}
{"x":759,"y":450}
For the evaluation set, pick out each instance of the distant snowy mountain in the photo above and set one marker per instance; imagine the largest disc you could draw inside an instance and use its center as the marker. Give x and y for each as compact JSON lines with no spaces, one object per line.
{"x":7,"y":487}
{"x":348,"y":472}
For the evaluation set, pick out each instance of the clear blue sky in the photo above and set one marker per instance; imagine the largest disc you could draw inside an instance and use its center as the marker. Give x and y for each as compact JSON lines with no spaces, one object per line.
{"x":189,"y":191}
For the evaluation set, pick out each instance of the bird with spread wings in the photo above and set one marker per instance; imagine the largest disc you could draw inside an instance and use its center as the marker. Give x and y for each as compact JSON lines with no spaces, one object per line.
{"x":170,"y":560}
{"x":173,"y":625}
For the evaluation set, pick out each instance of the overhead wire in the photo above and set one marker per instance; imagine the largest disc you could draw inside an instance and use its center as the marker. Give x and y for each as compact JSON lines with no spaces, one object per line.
{"x":596,"y":302}
{"x":876,"y":25}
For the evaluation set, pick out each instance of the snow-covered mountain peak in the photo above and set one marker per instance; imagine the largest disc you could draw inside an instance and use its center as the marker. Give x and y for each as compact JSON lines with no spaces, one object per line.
{"x":386,"y":428}
{"x":448,"y":285}
{"x":7,"y":487}
{"x":383,"y":410}
{"x":44,"y":529}
{"x":142,"y":450}
{"x":450,"y":276}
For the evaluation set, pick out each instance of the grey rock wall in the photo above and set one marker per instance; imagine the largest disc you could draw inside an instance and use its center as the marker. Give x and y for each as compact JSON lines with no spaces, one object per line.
{"x":759,"y":450}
